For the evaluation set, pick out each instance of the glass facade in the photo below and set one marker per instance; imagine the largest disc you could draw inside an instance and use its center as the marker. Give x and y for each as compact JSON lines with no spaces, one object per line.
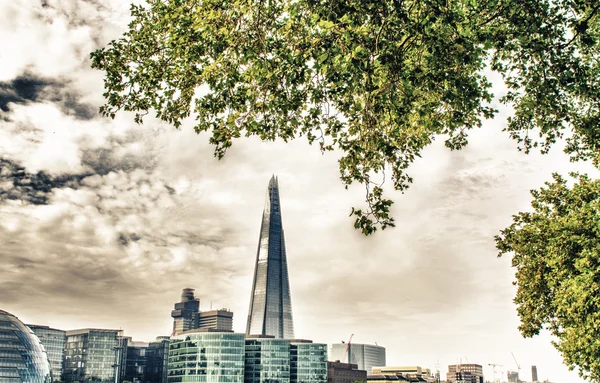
{"x":54,"y":344}
{"x":211,"y":357}
{"x":136,"y":362}
{"x":157,"y":356}
{"x":365,"y":356}
{"x":270,"y":311}
{"x":267,"y":361}
{"x":308,"y":362}
{"x":93,"y":355}
{"x":22,"y":355}
{"x":185,"y":313}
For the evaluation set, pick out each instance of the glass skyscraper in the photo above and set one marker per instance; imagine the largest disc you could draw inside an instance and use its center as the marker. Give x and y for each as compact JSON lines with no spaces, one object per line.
{"x":365,"y":356}
{"x":22,"y":355}
{"x":93,"y":355}
{"x":206,"y":356}
{"x":270,"y":310}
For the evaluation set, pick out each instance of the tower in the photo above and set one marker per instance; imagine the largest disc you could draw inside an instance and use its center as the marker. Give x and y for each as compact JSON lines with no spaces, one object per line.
{"x":185,"y":313}
{"x":534,"y":376}
{"x":270,"y":311}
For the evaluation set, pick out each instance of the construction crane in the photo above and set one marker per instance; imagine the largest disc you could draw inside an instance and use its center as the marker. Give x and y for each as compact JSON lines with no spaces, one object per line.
{"x":494,"y":370}
{"x":518,"y":366}
{"x":347,"y":353}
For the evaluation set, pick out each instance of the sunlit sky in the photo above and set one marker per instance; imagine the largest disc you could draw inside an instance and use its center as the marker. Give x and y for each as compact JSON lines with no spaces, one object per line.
{"x":129,"y":215}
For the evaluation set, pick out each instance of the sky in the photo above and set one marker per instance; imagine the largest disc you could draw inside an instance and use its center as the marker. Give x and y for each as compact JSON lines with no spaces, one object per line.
{"x":103,"y":222}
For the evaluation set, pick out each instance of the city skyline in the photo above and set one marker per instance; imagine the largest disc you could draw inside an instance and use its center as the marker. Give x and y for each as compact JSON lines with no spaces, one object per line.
{"x":125,"y":216}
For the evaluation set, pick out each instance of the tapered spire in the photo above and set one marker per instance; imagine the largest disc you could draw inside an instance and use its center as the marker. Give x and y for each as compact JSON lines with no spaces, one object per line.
{"x":270,"y":310}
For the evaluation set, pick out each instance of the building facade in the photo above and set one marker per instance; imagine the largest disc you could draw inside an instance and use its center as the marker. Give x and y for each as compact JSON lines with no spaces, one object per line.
{"x":465,"y":373}
{"x":270,"y":311}
{"x":267,"y":361}
{"x":93,"y":355}
{"x":216,"y":319}
{"x":534,"y":375}
{"x":136,"y":362}
{"x":338,"y":372}
{"x":206,"y":356}
{"x":54,"y":343}
{"x":308,"y":362}
{"x":185,"y":314}
{"x":157,"y":358}
{"x":22,"y":355}
{"x":365,"y":356}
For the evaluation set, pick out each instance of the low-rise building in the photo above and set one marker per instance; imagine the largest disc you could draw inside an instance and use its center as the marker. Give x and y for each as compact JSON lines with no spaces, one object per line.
{"x":338,"y":372}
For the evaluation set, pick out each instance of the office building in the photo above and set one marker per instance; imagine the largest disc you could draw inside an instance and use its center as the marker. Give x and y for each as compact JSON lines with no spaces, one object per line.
{"x":203,"y":355}
{"x":270,"y":311}
{"x":534,"y":375}
{"x":135,"y":365}
{"x":512,"y":376}
{"x":338,"y":372}
{"x":267,"y":360}
{"x":23,"y":358}
{"x":185,"y":313}
{"x":365,"y":356}
{"x":377,"y":378}
{"x":308,"y":361}
{"x":465,"y":373}
{"x":53,"y":341}
{"x":93,"y":354}
{"x":216,"y":319}
{"x":157,"y":357}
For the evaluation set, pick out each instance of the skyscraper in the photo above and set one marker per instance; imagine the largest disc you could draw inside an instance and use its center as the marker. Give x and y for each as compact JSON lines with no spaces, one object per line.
{"x":365,"y":356}
{"x":270,"y":310}
{"x":185,"y":313}
{"x":534,"y":377}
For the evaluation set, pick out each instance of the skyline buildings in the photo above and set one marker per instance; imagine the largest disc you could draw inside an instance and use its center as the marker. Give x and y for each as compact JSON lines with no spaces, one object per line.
{"x":270,"y":311}
{"x":365,"y":356}
{"x":187,"y":315}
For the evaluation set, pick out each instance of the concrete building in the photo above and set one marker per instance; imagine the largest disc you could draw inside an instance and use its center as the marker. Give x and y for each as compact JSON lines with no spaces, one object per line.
{"x":53,"y":341}
{"x":365,"y":356}
{"x":338,"y":372}
{"x":465,"y":373}
{"x":512,"y":376}
{"x":216,"y":319}
{"x":93,"y":354}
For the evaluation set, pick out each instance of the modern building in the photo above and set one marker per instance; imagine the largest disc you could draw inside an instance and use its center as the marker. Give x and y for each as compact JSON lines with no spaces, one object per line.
{"x":270,"y":311}
{"x":465,"y":373}
{"x":136,"y":361}
{"x":22,"y":355}
{"x":534,"y":375}
{"x":365,"y":356}
{"x":512,"y":376}
{"x":308,"y":361}
{"x":338,"y":372}
{"x":93,"y":355}
{"x":267,"y":360}
{"x":204,"y":355}
{"x":216,"y":319}
{"x":54,"y":343}
{"x":157,"y":358}
{"x":185,"y":313}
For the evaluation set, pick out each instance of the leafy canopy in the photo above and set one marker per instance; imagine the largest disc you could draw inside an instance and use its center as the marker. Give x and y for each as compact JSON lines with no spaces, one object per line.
{"x":376,"y":80}
{"x":557,"y":257}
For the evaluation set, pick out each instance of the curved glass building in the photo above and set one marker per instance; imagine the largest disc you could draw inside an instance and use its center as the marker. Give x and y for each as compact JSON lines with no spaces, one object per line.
{"x":22,"y":356}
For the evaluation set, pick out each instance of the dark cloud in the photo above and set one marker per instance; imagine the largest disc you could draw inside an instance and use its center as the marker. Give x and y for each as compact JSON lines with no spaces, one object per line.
{"x":16,"y":183}
{"x":31,"y":88}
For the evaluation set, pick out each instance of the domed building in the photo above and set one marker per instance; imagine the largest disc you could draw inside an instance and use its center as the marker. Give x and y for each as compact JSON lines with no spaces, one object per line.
{"x":22,"y":356}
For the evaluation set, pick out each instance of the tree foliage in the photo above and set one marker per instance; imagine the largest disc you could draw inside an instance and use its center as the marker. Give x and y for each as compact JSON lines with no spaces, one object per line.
{"x":557,"y":257}
{"x":378,"y":80}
